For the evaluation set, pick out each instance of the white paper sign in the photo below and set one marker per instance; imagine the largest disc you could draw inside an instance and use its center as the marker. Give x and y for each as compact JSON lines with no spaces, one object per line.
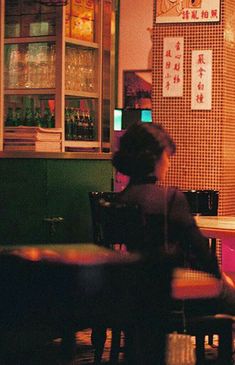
{"x":187,"y":11}
{"x":173,"y":57}
{"x":201,"y":92}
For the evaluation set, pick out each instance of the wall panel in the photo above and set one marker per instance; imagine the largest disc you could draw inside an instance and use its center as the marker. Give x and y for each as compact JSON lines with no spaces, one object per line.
{"x":205,"y":157}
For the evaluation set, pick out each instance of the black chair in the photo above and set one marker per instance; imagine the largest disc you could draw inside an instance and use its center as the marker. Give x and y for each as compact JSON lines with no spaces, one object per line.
{"x":114,"y":225}
{"x":109,"y":231}
{"x":94,"y":199}
{"x":117,"y":223}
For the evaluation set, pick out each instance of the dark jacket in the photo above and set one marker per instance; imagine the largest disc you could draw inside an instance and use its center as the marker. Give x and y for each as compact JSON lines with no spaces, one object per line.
{"x":169,"y":225}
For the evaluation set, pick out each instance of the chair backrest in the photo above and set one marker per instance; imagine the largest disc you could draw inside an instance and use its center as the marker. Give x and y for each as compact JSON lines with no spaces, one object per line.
{"x":94,"y":198}
{"x":114,"y":222}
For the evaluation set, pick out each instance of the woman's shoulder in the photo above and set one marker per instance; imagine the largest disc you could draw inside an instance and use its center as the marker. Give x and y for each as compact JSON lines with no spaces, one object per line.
{"x":175,"y":193}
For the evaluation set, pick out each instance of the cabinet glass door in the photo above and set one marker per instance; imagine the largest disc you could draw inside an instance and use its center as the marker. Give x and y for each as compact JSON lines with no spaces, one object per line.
{"x":29,"y":65}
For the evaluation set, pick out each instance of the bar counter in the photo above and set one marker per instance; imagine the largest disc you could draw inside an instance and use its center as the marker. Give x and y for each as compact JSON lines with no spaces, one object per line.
{"x":57,"y":155}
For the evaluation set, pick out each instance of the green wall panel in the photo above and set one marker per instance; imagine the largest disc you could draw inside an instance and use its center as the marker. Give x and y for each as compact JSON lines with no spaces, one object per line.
{"x":35,"y":189}
{"x":68,"y":185}
{"x":22,"y":202}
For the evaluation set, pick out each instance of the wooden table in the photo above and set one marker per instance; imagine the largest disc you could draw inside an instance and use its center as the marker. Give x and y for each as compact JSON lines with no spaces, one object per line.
{"x":51,"y":291}
{"x":217,"y":227}
{"x":222,"y":228}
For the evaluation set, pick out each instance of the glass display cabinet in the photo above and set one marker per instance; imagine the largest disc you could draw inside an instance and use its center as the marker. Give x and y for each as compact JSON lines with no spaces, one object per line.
{"x":57,"y":75}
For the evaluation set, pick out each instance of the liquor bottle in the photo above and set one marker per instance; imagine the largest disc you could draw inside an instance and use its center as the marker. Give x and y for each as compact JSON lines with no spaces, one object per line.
{"x":28,"y":118}
{"x":10,"y":117}
{"x":86,"y":125}
{"x":79,"y":125}
{"x":91,"y":131}
{"x":52,"y":121}
{"x":47,"y":118}
{"x":37,"y":118}
{"x":73,"y":124}
{"x":68,"y":125}
{"x":80,"y":130}
{"x":18,"y":116}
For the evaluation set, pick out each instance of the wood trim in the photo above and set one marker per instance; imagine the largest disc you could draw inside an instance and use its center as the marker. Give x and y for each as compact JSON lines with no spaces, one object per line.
{"x":60,"y":72}
{"x":57,"y":155}
{"x":2,"y":13}
{"x":100,"y":69}
{"x":30,"y":40}
{"x":81,"y":43}
{"x":82,"y":94}
{"x":30,"y":91}
{"x":83,"y":144}
{"x":112,"y":71}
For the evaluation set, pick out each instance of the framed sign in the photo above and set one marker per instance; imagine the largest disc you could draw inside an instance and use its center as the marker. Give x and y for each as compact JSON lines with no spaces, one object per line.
{"x":137,"y":89}
{"x":201,"y":92}
{"x":173,"y":60}
{"x":187,"y":11}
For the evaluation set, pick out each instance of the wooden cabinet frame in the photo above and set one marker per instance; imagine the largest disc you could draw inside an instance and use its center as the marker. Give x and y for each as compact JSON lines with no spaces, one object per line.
{"x":60,"y":93}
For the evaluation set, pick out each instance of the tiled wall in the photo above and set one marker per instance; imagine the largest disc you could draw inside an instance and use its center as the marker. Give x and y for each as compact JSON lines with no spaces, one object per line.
{"x":205,"y":157}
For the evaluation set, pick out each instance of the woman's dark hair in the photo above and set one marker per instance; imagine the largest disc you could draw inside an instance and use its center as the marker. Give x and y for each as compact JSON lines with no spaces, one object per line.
{"x":140,"y":147}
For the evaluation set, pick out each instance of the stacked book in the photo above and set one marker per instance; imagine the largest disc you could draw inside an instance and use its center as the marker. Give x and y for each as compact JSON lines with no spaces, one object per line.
{"x":23,"y":138}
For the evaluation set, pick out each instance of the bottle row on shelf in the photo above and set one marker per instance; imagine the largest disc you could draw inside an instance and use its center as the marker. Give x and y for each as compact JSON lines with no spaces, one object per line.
{"x":79,"y":125}
{"x":28,"y":117}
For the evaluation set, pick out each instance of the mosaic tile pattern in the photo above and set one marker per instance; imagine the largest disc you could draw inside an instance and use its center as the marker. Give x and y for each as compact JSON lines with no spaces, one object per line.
{"x":205,"y":157}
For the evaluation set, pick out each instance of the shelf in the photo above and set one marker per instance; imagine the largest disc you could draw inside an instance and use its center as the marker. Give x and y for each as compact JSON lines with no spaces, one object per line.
{"x":82,"y":94}
{"x":29,"y":91}
{"x":84,"y":44}
{"x":57,"y":155}
{"x":82,"y":144}
{"x":40,"y":39}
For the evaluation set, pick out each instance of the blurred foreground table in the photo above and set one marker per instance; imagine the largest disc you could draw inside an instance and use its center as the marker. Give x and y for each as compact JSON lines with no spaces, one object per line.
{"x":51,"y":291}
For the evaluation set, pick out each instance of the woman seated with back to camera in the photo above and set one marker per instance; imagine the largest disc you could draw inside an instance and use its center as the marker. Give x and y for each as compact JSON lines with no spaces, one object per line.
{"x":144,"y":155}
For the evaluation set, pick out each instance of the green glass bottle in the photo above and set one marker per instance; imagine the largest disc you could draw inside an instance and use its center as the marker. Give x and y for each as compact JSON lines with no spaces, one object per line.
{"x":51,"y":124}
{"x":37,"y":118}
{"x":91,"y":129}
{"x":46,"y":118}
{"x":80,"y":119}
{"x":10,"y":118}
{"x":28,"y":119}
{"x":18,"y":116}
{"x":68,"y":124}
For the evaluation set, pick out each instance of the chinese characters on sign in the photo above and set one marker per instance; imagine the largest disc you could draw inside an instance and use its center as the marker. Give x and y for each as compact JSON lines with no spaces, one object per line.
{"x":187,"y":11}
{"x":173,"y":51}
{"x":201,"y":93}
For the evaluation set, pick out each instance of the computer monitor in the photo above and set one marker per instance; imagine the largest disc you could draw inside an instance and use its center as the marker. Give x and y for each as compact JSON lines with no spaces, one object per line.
{"x":117,"y":119}
{"x":146,"y":116}
{"x":123,"y":118}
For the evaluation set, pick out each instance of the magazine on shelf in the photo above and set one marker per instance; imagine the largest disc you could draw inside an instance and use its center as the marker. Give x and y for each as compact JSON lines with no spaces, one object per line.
{"x":38,"y":146}
{"x":32,"y":133}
